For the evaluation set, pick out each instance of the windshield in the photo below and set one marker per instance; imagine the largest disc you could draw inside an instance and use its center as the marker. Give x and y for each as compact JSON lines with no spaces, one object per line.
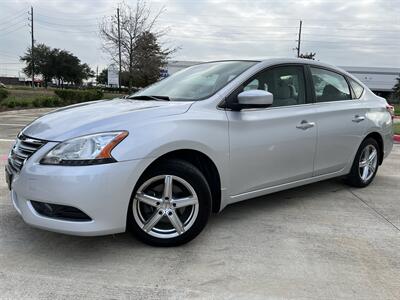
{"x":196,"y":82}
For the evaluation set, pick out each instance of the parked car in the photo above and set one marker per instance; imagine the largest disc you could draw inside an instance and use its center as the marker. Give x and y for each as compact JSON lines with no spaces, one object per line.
{"x":159,"y":162}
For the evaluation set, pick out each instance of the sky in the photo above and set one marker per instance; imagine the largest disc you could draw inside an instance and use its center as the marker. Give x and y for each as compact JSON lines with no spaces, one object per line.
{"x":341,"y":32}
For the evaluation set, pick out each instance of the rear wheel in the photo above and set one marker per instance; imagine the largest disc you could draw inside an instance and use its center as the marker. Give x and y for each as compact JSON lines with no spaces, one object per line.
{"x":170,"y":205}
{"x":365,"y":164}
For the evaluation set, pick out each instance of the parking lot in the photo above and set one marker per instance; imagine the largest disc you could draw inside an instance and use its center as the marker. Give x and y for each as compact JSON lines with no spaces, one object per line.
{"x":321,"y":241}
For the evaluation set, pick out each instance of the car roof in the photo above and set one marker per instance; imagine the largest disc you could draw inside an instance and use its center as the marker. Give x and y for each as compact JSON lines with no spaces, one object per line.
{"x":291,"y":60}
{"x":276,"y":61}
{"x":311,"y":62}
{"x":282,"y":60}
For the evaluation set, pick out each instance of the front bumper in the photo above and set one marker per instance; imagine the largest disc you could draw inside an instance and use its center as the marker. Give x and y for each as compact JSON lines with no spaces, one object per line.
{"x":101,"y":191}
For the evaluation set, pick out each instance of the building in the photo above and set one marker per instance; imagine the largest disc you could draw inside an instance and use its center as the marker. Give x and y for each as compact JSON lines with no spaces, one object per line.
{"x":10,"y":80}
{"x":380,"y":80}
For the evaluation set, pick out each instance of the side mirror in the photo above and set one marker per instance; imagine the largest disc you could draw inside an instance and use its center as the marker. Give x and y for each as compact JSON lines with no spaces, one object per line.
{"x":255,"y":98}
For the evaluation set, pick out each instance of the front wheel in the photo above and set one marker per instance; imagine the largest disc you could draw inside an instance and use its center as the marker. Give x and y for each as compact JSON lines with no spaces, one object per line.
{"x":365,"y":164}
{"x":170,"y":204}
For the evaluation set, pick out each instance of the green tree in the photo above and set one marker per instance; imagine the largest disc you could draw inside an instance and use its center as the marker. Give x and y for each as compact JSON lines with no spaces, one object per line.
{"x":134,"y":22}
{"x":396,"y":88}
{"x":307,"y":55}
{"x":55,"y":63}
{"x":84,"y":72}
{"x":102,"y":78}
{"x":149,"y":59}
{"x":43,"y":62}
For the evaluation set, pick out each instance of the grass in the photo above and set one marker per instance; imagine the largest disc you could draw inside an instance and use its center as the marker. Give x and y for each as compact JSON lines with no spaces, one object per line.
{"x":396,"y":127}
{"x":28,"y":94}
{"x":396,"y":109}
{"x":26,"y":97}
{"x":112,"y":95}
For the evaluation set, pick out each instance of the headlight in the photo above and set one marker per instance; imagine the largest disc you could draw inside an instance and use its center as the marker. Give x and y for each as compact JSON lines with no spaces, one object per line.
{"x":85,"y":150}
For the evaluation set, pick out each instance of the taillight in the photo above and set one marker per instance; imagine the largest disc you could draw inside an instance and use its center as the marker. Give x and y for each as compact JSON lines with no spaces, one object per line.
{"x":390,"y":109}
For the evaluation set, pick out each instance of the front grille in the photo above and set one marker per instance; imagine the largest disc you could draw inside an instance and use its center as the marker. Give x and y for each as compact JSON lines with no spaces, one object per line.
{"x":23,"y":149}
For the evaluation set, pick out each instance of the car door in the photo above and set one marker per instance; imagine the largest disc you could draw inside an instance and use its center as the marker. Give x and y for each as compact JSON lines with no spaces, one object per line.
{"x":274,"y":145}
{"x":340,"y":121}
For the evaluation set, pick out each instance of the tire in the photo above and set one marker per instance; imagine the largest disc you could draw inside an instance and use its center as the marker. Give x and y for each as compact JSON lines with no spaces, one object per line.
{"x":363,"y":170}
{"x":162,"y":216}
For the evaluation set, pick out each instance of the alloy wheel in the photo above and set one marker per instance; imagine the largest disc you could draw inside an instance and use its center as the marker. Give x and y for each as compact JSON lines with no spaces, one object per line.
{"x":165,"y":206}
{"x":368,"y":162}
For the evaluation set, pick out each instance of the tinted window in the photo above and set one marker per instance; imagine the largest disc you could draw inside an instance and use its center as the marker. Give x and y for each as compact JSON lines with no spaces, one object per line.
{"x":285,"y":83}
{"x":329,"y":86}
{"x":357,"y":88}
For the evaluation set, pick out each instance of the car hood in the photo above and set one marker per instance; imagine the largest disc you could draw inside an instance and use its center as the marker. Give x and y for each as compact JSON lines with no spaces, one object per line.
{"x":100,"y":116}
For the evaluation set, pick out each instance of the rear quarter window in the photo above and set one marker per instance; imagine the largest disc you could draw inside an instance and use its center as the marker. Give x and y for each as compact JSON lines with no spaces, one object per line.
{"x":357,"y":88}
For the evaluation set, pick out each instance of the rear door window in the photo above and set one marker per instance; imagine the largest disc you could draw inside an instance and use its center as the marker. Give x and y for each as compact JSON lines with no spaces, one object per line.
{"x":329,"y":86}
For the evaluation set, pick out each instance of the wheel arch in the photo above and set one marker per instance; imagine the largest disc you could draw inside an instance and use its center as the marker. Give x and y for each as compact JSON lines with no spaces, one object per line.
{"x":379,"y":139}
{"x":204,"y":163}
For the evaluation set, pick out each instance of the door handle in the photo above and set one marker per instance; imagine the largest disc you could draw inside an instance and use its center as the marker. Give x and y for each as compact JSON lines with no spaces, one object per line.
{"x":358,"y":119}
{"x":305,"y":125}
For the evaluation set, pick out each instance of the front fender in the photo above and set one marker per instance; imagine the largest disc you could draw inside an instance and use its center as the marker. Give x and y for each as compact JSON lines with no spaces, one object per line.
{"x":202,"y":131}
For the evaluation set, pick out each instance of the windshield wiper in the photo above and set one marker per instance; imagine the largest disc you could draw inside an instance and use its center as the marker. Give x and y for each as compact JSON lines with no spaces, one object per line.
{"x":148,"y":97}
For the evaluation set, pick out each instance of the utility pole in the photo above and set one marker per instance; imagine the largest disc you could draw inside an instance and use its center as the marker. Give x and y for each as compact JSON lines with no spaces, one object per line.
{"x":119,"y":51}
{"x":32,"y":46}
{"x":299,"y":39}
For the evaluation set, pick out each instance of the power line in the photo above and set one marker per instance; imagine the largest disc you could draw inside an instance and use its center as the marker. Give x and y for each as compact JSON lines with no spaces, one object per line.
{"x":72,"y":19}
{"x":66,"y":25}
{"x":348,"y":41}
{"x":13,"y":23}
{"x":16,"y":29}
{"x":351,"y":37}
{"x":267,"y":27}
{"x":49,"y":28}
{"x":282,"y":17}
{"x":239,"y":40}
{"x":347,"y":28}
{"x":245,"y":33}
{"x":5,"y":53}
{"x":212,"y":24}
{"x":12,"y":69}
{"x":227,"y":39}
{"x":200,"y":31}
{"x":235,"y":32}
{"x":74,"y":16}
{"x":10,"y":18}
